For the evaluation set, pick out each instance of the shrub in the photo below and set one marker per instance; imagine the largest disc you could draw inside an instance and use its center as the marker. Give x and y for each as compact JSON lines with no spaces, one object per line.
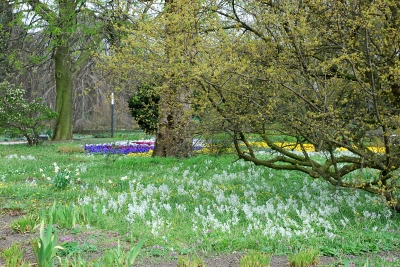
{"x":144,"y":108}
{"x":20,"y":116}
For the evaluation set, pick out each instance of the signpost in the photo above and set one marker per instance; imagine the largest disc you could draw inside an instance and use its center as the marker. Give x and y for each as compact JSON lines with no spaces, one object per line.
{"x":112,"y":115}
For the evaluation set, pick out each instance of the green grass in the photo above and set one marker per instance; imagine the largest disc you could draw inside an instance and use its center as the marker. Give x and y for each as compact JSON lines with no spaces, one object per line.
{"x":304,"y":258}
{"x":13,"y":256}
{"x":255,"y":259}
{"x":203,"y":204}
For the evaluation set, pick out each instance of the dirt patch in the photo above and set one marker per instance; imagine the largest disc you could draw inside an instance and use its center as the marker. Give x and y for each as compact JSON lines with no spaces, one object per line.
{"x":8,"y":237}
{"x":230,"y":260}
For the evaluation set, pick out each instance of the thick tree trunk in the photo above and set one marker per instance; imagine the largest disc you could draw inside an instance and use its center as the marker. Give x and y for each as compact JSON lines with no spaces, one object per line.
{"x":174,"y":132}
{"x":64,"y":88}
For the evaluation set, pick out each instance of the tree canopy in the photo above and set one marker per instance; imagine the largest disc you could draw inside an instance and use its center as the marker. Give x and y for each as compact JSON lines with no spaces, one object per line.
{"x":325,"y":73}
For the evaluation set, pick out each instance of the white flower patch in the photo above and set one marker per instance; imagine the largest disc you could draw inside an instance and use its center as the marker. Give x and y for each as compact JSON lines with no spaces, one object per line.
{"x":137,"y":210}
{"x":23,"y":157}
{"x":180,"y":207}
{"x":257,"y":205}
{"x":207,"y":185}
{"x":164,"y":192}
{"x":31,"y":182}
{"x":181,"y":190}
{"x":149,"y":191}
{"x":122,"y":198}
{"x":86,"y":200}
{"x":112,"y":205}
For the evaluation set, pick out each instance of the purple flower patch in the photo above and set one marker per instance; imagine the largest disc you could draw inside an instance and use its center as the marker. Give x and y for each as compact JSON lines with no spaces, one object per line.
{"x":142,"y":146}
{"x":126,"y":148}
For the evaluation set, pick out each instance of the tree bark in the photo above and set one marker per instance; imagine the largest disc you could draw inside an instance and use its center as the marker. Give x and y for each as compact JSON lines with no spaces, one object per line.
{"x":64,"y":88}
{"x":174,"y":134}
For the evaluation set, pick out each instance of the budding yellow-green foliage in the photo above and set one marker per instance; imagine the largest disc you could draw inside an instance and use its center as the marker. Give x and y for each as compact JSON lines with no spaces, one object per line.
{"x":323,"y":73}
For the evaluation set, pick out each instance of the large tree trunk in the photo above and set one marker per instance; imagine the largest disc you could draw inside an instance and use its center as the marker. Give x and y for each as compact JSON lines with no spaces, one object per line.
{"x":174,"y":132}
{"x":64,"y":88}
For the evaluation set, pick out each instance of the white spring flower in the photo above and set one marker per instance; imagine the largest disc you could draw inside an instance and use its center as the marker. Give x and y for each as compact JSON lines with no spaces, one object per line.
{"x":167,"y":207}
{"x":180,"y":207}
{"x":112,"y":205}
{"x":181,"y":190}
{"x":104,"y":210}
{"x":84,"y":201}
{"x":122,"y":198}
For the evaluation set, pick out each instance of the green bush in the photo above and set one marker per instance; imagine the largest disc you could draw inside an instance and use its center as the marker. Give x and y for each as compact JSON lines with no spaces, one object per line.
{"x":144,"y":108}
{"x":20,"y":116}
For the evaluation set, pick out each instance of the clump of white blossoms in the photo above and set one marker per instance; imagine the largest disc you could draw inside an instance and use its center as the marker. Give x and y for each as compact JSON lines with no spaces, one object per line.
{"x":62,"y":177}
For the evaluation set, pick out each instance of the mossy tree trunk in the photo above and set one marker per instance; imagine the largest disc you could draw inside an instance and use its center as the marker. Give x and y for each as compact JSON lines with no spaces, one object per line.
{"x":174,"y":132}
{"x":64,"y":88}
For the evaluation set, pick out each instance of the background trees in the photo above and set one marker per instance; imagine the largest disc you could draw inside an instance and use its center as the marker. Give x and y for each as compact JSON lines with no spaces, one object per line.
{"x":70,"y":31}
{"x":5,"y":20}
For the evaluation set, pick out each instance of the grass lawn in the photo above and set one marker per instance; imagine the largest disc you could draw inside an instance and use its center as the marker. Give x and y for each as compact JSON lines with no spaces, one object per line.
{"x":205,"y":204}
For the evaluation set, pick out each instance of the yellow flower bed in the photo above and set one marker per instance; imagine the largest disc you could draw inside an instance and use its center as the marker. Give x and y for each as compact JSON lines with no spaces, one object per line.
{"x":377,"y":149}
{"x":214,"y":150}
{"x":290,"y":146}
{"x":144,"y":154}
{"x":259,"y":145}
{"x":308,"y":147}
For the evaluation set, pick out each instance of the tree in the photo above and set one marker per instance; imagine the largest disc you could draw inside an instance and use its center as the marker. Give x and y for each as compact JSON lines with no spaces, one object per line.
{"x":72,"y":30}
{"x":159,"y":50}
{"x":325,"y":73}
{"x":5,"y":19}
{"x":12,"y":33}
{"x":174,"y":130}
{"x":21,"y":116}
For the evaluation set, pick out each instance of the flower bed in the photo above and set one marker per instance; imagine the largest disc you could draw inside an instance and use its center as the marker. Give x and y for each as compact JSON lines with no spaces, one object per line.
{"x":127,"y":147}
{"x":143,"y":146}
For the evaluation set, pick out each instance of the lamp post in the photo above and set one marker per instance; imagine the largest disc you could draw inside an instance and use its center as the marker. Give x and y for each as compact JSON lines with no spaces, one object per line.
{"x":112,"y":115}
